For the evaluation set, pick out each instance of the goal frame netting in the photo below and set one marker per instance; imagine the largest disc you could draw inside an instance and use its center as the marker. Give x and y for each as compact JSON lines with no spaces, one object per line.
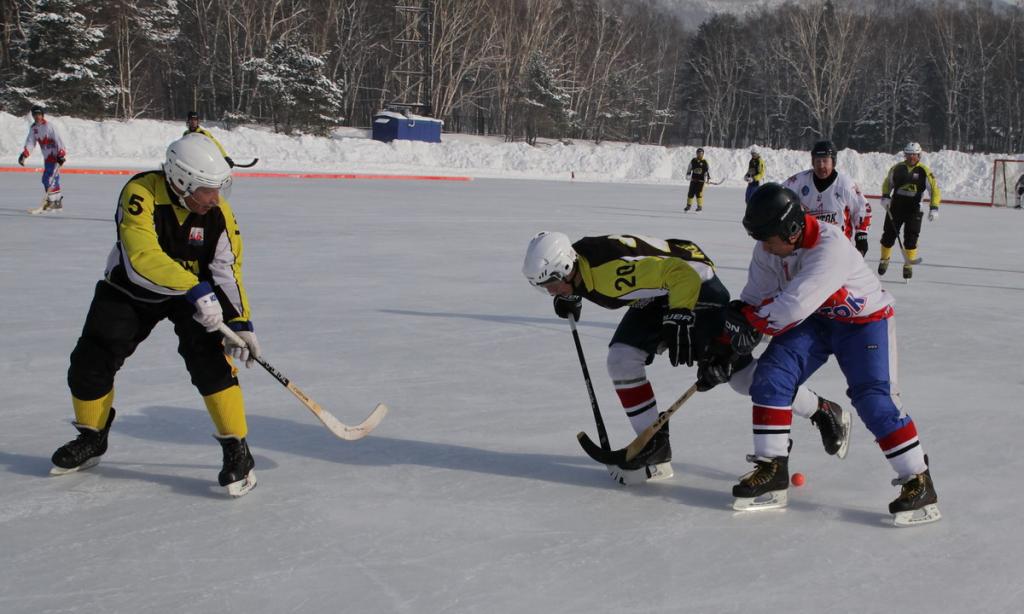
{"x":1005,"y":173}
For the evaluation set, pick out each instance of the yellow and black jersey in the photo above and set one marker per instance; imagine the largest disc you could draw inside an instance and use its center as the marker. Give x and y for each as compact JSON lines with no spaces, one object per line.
{"x":907,"y":184}
{"x":163,"y":249}
{"x":698,"y":170}
{"x":756,"y":168}
{"x":209,"y":135}
{"x":618,"y":270}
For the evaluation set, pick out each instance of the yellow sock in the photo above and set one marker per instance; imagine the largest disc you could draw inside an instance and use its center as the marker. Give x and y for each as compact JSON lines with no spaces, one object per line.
{"x":886,"y":252}
{"x":700,"y":201}
{"x":93,"y":413}
{"x":912,"y":254}
{"x":227,"y":410}
{"x":689,"y":202}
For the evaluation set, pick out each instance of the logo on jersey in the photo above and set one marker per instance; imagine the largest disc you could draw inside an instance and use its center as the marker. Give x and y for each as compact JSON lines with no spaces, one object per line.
{"x":195,"y":236}
{"x":804,"y":191}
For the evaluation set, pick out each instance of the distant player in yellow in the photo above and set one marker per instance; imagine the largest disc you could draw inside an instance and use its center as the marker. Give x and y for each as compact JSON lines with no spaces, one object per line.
{"x":193,"y":126}
{"x":902,"y":191}
{"x":178,"y":256}
{"x":698,"y":173}
{"x":756,"y":171}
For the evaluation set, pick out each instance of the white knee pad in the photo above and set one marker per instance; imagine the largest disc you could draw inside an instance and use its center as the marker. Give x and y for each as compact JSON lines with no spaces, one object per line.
{"x":626,"y":363}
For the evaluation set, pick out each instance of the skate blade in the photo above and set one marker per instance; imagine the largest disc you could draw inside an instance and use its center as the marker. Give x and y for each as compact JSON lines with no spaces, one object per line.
{"x":847,"y":424}
{"x":773,"y":500}
{"x":634,"y":477}
{"x":912,"y":518}
{"x":243,"y":486}
{"x":92,"y":462}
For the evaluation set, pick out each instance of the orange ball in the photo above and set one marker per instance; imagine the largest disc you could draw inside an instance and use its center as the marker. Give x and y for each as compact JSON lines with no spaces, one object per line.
{"x":798,"y":479}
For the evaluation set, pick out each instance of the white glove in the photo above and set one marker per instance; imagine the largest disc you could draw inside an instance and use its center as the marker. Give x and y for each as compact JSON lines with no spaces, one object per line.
{"x":748,"y":178}
{"x":884,"y":201}
{"x":933,"y":214}
{"x":247,"y":353}
{"x":208,"y":312}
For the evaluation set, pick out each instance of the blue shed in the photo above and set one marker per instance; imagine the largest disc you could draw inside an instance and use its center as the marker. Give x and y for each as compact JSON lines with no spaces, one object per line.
{"x":389,"y":125}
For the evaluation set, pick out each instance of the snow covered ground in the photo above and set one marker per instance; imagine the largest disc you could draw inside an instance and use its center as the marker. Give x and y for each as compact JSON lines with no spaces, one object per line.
{"x":473,"y":494}
{"x":141,"y":144}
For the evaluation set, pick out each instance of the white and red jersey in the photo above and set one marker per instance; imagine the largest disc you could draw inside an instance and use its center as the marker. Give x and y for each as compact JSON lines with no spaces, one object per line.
{"x":50,"y":143}
{"x":841,"y":203}
{"x":824,"y":276}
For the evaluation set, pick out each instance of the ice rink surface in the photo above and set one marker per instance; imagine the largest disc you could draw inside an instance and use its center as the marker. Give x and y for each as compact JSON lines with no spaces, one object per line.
{"x":473,"y":495}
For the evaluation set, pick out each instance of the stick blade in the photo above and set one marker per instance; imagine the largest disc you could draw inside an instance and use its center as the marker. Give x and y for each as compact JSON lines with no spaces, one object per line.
{"x":353,"y":433}
{"x":596,"y":452}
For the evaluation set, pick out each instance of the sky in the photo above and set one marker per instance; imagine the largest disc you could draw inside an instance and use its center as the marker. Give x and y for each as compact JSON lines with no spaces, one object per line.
{"x":473,"y":493}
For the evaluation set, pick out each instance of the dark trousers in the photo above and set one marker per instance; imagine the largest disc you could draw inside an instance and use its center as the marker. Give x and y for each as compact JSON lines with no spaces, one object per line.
{"x":117,"y":324}
{"x":696,"y":189}
{"x":907,"y":216}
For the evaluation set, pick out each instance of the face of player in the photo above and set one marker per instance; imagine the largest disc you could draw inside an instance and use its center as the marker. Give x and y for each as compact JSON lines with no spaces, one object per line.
{"x":193,"y":123}
{"x":913,"y":159}
{"x":38,"y":118}
{"x":777,"y":246}
{"x":700,"y":155}
{"x":823,"y":166}
{"x":558,"y":287}
{"x":203,"y":200}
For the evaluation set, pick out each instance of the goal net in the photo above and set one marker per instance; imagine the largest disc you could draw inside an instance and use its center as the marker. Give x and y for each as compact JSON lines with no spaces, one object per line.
{"x":1006,"y":176}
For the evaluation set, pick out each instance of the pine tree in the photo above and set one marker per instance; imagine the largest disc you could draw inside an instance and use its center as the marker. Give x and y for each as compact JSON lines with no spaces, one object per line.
{"x":292,"y":84}
{"x":68,"y":66}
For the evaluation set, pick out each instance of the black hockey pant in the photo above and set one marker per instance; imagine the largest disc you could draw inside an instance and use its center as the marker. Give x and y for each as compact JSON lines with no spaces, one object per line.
{"x":696,"y":189}
{"x":118,"y":323}
{"x":905,"y":215}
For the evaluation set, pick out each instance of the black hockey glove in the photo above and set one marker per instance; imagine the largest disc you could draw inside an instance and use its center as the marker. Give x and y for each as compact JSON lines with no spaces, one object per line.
{"x":861,"y":241}
{"x":231,"y":163}
{"x":60,"y":161}
{"x":21,"y":158}
{"x":713,"y":371}
{"x":564,"y":305}
{"x":742,"y":335}
{"x":677,"y":334}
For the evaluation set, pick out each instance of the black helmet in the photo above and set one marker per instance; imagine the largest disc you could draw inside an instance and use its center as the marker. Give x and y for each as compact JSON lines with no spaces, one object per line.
{"x":38,"y":109}
{"x":773,"y":211}
{"x":700,"y":150}
{"x":192,"y":115}
{"x":822,"y":149}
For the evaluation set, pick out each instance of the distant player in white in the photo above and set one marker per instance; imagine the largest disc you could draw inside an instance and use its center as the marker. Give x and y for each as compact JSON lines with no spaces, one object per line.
{"x":42,"y":133}
{"x":833,"y":197}
{"x":813,"y":294}
{"x":1020,"y":192}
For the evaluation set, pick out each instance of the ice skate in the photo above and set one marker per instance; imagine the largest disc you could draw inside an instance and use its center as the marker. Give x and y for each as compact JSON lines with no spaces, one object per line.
{"x":917,"y":503}
{"x":908,"y":271}
{"x":687,"y":207}
{"x":833,"y":423}
{"x":237,"y":475}
{"x":651,"y":464}
{"x":765,"y":487}
{"x":883,"y":266}
{"x":699,"y":208}
{"x":84,"y":451}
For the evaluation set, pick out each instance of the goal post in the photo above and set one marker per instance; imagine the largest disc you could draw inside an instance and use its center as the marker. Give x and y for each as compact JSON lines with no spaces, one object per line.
{"x":1006,"y":175}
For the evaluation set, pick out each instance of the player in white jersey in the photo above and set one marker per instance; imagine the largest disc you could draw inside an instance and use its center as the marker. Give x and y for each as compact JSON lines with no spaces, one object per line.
{"x":43,"y":133}
{"x":833,"y":197}
{"x":808,"y":289}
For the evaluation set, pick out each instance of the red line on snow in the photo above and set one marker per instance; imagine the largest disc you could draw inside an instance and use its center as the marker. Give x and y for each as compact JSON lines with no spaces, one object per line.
{"x":261,"y":175}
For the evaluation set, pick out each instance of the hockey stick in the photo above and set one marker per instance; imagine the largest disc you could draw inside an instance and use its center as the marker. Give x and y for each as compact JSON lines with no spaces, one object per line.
{"x":719,"y":182}
{"x":249,"y":165}
{"x":602,"y":434}
{"x":348,"y":433}
{"x":624,"y":455}
{"x":49,"y":190}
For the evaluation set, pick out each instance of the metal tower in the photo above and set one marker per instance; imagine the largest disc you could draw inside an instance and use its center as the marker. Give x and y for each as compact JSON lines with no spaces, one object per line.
{"x":410,"y":84}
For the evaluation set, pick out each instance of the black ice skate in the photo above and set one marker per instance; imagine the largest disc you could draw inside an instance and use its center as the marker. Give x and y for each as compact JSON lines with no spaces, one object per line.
{"x":652,"y":463}
{"x":237,"y":475}
{"x":917,"y":503}
{"x":883,"y":266}
{"x":84,"y":451}
{"x":687,"y":207}
{"x":908,"y":271}
{"x":765,"y":487}
{"x":699,"y":208}
{"x":833,"y":423}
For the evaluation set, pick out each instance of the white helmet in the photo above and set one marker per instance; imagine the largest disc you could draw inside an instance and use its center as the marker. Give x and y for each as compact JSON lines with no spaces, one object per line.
{"x":549,"y":257}
{"x":755,"y":150}
{"x":193,"y":162}
{"x":912,"y":149}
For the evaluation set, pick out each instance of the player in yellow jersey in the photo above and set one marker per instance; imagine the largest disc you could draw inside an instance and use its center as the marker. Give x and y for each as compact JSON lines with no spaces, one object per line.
{"x":178,"y":256}
{"x":677,"y":306}
{"x":902,"y":190}
{"x":192,"y":122}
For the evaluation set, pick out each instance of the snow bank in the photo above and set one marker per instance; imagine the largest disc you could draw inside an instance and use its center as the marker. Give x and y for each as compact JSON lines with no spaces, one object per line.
{"x":141,"y":143}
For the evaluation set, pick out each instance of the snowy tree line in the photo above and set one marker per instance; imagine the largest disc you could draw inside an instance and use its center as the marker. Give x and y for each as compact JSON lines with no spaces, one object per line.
{"x":870,"y":75}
